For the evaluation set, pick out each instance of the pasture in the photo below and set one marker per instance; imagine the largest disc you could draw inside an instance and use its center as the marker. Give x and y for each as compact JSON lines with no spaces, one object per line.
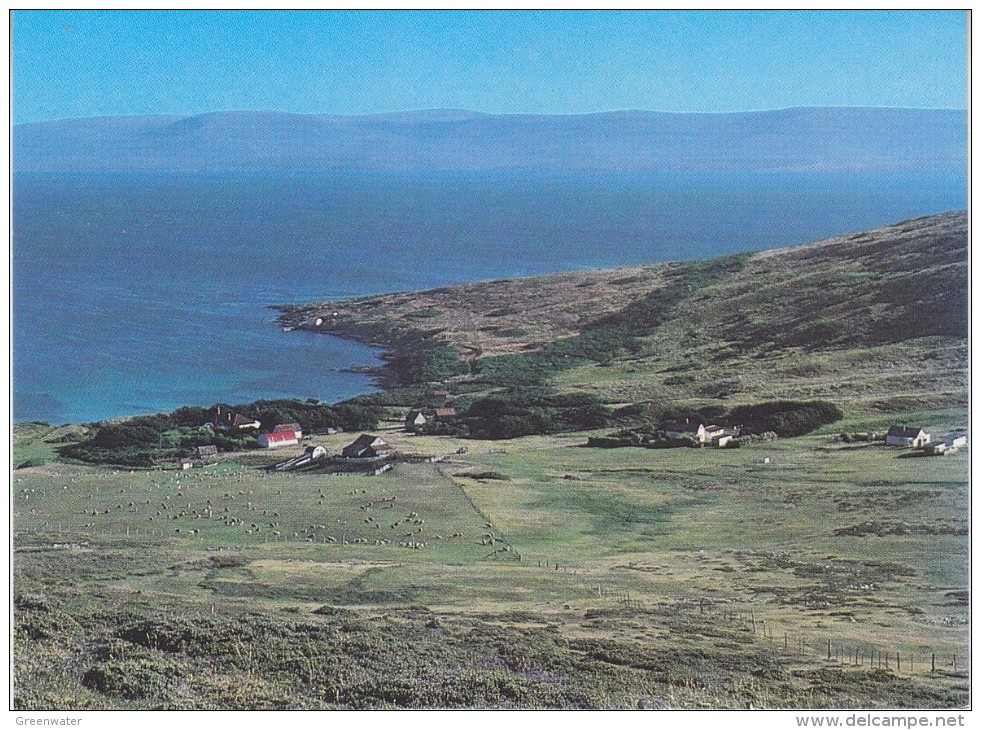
{"x":686,"y":574}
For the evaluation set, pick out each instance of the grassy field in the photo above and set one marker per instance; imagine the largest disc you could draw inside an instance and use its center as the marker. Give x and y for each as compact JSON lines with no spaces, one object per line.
{"x":528,"y":573}
{"x":537,"y":572}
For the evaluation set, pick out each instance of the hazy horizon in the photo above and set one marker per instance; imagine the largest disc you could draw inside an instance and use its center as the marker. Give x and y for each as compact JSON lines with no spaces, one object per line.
{"x":481,"y":112}
{"x":81,"y":64}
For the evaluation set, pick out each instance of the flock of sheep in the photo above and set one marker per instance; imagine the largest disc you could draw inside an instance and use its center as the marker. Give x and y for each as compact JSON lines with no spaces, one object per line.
{"x":205,"y":499}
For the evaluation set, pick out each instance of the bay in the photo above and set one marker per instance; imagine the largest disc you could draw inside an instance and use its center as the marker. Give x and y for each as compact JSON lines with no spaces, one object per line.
{"x":137,"y":293}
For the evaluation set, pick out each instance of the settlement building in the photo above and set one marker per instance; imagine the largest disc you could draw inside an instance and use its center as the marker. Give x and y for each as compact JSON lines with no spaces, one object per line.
{"x":289,"y":428}
{"x":907,"y":436}
{"x":367,"y":446}
{"x":277,"y":439}
{"x":206,"y":452}
{"x":415,"y":419}
{"x":683,"y":430}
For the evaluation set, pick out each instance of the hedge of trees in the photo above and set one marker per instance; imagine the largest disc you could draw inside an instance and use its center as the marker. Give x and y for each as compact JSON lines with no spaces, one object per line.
{"x":762,"y":420}
{"x":144,"y":440}
{"x":523,"y":411}
{"x":786,"y":417}
{"x":426,"y":361}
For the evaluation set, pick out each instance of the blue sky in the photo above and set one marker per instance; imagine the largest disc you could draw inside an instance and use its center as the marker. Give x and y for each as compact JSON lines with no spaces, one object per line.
{"x":89,"y":63}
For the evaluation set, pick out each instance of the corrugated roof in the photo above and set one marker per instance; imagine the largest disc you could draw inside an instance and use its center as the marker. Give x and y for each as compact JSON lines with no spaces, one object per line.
{"x":904,"y":431}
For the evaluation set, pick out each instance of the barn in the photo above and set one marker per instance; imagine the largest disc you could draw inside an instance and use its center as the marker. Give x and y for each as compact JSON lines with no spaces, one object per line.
{"x":277,"y":439}
{"x":367,"y":446}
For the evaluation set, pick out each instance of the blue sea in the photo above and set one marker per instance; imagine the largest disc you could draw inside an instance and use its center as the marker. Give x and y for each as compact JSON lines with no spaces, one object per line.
{"x":136,"y":294}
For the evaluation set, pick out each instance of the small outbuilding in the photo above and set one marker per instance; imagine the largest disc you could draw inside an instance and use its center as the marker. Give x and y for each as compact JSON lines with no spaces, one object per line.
{"x":445,"y":414}
{"x":955,"y":440}
{"x":206,"y":452}
{"x":185,"y":464}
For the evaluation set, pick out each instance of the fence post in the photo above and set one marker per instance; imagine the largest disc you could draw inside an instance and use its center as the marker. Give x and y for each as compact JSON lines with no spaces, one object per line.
{"x":829,"y":650}
{"x":933,"y":662}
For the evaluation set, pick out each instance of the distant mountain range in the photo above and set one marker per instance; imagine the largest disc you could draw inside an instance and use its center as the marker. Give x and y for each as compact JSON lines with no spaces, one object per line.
{"x":843,"y":139}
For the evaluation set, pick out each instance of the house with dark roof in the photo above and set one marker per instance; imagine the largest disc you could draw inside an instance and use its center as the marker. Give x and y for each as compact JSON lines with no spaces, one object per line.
{"x":367,"y":446}
{"x":909,"y":437}
{"x":242,"y":423}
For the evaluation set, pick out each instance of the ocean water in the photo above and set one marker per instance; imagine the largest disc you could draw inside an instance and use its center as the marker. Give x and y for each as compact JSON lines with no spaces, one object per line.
{"x":139,"y":293}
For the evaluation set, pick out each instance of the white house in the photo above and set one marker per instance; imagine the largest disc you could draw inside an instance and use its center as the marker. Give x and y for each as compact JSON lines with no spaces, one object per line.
{"x":907,"y":437}
{"x":415,"y":419}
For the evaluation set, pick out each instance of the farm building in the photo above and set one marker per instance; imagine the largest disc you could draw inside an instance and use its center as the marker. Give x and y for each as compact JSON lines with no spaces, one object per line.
{"x":206,"y":452}
{"x":184,"y":464}
{"x":441,"y":394}
{"x":949,"y":444}
{"x":955,"y":440}
{"x":242,"y":423}
{"x":444,"y":414}
{"x":367,"y":446}
{"x":414,"y":420}
{"x":277,"y":439}
{"x":907,"y":437}
{"x":289,"y":428}
{"x":679,"y":430}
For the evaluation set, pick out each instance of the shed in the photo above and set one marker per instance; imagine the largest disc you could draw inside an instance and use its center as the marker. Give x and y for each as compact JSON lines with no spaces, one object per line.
{"x":955,"y":440}
{"x":367,"y":446}
{"x":444,"y":414}
{"x":185,"y":464}
{"x":203,"y":452}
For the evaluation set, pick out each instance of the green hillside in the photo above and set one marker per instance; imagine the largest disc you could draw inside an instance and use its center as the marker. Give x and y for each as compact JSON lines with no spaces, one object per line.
{"x":874,"y":321}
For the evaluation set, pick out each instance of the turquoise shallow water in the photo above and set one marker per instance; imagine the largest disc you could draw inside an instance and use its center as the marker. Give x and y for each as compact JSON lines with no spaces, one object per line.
{"x":139,"y":293}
